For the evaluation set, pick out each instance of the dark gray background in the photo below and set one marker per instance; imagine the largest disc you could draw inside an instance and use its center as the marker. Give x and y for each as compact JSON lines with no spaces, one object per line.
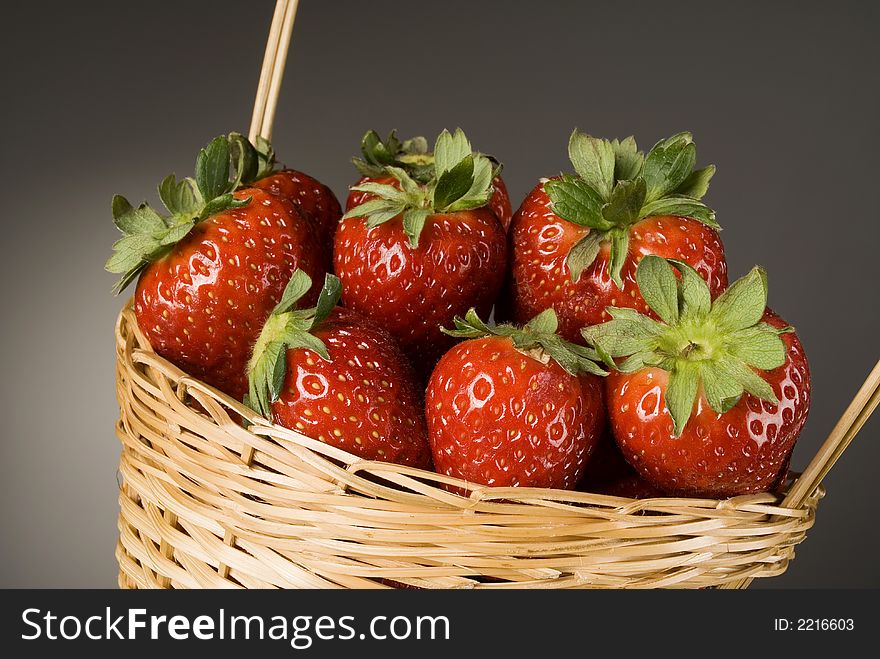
{"x":101,"y":98}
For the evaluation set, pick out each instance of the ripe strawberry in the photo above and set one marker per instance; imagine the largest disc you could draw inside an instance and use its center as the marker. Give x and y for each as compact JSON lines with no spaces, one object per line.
{"x":211,"y":271}
{"x":336,"y":377}
{"x":314,"y":200}
{"x":412,"y":258}
{"x":576,"y":240}
{"x":413,"y":157}
{"x":712,"y":397}
{"x":514,"y":407}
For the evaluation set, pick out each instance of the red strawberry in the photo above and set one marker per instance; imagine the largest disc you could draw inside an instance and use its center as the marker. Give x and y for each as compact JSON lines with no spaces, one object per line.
{"x":712,"y":397}
{"x":514,"y":407}
{"x":334,"y":376}
{"x":211,"y":272}
{"x":413,"y":157}
{"x":414,"y":257}
{"x":576,"y":240}
{"x":314,"y":200}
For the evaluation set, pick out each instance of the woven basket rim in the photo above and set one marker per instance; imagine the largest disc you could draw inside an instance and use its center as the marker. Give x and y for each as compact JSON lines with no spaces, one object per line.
{"x":763,"y":502}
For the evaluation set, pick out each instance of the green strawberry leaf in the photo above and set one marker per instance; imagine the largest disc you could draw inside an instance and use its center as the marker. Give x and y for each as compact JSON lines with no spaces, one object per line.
{"x":743,"y":303}
{"x":212,"y":169}
{"x":180,"y":197}
{"x":327,"y":299}
{"x":721,"y":392}
{"x":668,"y":165}
{"x":658,"y":287}
{"x":449,"y":150}
{"x":618,"y":254}
{"x":222,"y":203}
{"x":544,"y":323}
{"x":131,"y":252}
{"x":758,"y":347}
{"x":298,"y":285}
{"x":628,"y":160}
{"x":574,"y":200}
{"x":413,"y":223}
{"x":538,"y":334}
{"x":480,"y":190}
{"x":751,"y":381}
{"x":681,"y":207}
{"x":173,"y":235}
{"x":454,"y":183}
{"x":695,"y":298}
{"x":625,"y":202}
{"x":245,"y":159}
{"x":376,"y":211}
{"x":140,"y":220}
{"x":120,"y":206}
{"x":697,"y":184}
{"x":583,"y":254}
{"x":593,"y":160}
{"x":681,"y":394}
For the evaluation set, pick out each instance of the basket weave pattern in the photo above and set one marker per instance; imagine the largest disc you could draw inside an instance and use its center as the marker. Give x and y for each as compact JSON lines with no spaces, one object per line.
{"x":205,"y":502}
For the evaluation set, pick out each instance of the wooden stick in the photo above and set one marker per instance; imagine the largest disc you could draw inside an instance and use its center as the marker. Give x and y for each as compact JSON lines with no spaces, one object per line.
{"x":855,"y":416}
{"x":267,"y":69}
{"x":278,"y":69}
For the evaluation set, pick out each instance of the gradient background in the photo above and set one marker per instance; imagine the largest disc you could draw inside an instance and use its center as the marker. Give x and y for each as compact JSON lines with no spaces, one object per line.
{"x":100,"y":98}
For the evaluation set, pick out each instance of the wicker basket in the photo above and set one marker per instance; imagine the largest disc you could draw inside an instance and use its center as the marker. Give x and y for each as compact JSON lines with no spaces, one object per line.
{"x":207,"y":503}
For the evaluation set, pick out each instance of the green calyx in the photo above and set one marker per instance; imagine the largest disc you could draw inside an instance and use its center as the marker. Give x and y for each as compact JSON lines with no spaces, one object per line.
{"x":287,"y":328}
{"x":617,"y":185}
{"x":410,"y":155}
{"x":222,"y":166}
{"x":537,"y":339}
{"x":716,"y":347}
{"x":458,"y":179}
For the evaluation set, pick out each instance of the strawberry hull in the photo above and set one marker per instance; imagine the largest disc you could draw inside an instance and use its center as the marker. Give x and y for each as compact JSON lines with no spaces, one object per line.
{"x":499,"y":202}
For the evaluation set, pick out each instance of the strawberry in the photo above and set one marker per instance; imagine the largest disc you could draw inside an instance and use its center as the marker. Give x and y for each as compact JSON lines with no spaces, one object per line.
{"x":314,"y":200}
{"x":710,"y":398}
{"x":211,"y":271}
{"x":334,"y":376}
{"x":413,"y":157}
{"x":576,"y":240}
{"x":413,"y":257}
{"x":514,"y":407}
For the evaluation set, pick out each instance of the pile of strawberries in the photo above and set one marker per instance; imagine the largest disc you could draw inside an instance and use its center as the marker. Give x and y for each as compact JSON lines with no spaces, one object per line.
{"x":620,"y":360}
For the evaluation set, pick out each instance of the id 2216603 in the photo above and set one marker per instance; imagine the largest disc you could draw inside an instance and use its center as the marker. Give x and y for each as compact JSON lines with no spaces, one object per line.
{"x":813,"y":624}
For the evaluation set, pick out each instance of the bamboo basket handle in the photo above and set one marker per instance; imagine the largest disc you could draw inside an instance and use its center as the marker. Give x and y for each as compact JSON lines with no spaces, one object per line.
{"x":848,"y":426}
{"x":272,"y":71}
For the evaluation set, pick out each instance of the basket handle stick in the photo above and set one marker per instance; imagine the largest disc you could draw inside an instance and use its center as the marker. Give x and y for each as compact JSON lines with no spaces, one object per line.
{"x":855,"y":416}
{"x":278,"y":69}
{"x":272,"y":70}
